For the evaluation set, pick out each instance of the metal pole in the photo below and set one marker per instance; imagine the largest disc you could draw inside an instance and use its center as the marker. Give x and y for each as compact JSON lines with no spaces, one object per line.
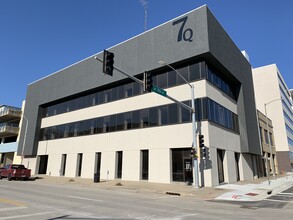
{"x":270,"y":145}
{"x":195,"y":162}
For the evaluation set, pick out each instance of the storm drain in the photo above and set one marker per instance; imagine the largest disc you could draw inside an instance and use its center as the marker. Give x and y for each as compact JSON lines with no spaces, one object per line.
{"x":173,"y":193}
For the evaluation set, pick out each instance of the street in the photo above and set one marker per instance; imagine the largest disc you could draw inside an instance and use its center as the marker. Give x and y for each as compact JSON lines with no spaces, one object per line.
{"x":40,"y":200}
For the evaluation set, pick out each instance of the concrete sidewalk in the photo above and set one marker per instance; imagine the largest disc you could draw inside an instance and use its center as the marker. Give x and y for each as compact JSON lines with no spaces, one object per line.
{"x":253,"y":190}
{"x":256,"y":191}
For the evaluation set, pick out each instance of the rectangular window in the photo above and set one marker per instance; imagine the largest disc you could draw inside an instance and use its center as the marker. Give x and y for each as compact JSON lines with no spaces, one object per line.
{"x":172,"y":78}
{"x":135,"y":119}
{"x":163,"y":115}
{"x":63,"y":165}
{"x":75,"y":129}
{"x":113,"y":123}
{"x":114,"y":93}
{"x":194,"y":72}
{"x":79,"y":164}
{"x":144,"y":118}
{"x":266,"y":136}
{"x":162,"y":80}
{"x":184,"y":73}
{"x":153,"y":116}
{"x":106,"y":124}
{"x":184,"y":114}
{"x":87,"y":127}
{"x":101,"y":97}
{"x":128,"y":90}
{"x":173,"y":113}
{"x":98,"y":162}
{"x":99,"y":125}
{"x":271,"y":138}
{"x":96,"y":98}
{"x":119,"y":157}
{"x":120,"y":122}
{"x":108,"y":95}
{"x":137,"y":89}
{"x":127,"y":120}
{"x":144,"y":164}
{"x":260,"y":134}
{"x":120,"y":92}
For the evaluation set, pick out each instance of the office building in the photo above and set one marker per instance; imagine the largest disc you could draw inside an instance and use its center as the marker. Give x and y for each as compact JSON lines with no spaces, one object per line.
{"x":82,"y":122}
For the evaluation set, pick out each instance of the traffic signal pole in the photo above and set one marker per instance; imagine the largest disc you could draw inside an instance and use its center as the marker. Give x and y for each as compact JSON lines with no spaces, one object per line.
{"x":195,"y":159}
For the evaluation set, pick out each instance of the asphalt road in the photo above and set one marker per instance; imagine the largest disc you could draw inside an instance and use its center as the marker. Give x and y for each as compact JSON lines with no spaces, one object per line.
{"x":39,"y":200}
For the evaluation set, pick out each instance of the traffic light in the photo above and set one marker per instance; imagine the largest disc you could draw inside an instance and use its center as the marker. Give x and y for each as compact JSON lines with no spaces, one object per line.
{"x":201,"y":141}
{"x":108,"y":63}
{"x":193,"y":152}
{"x":148,"y":81}
{"x":201,"y":147}
{"x":203,"y":152}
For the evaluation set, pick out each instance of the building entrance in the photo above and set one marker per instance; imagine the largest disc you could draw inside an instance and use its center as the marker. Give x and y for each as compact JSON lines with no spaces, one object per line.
{"x":43,"y":164}
{"x":181,"y":165}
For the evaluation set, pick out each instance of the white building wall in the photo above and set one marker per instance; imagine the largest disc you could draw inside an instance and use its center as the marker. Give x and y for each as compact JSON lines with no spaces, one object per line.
{"x":158,"y":140}
{"x":266,"y":88}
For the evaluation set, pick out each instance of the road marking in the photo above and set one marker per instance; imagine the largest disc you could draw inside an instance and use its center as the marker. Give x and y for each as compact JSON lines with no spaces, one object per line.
{"x":12,"y":202}
{"x":13,"y":208}
{"x":28,"y":215}
{"x":84,"y":198}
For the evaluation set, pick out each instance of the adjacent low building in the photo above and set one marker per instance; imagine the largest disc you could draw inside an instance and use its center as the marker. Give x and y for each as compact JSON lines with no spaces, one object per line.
{"x":82,"y":122}
{"x":269,"y":165}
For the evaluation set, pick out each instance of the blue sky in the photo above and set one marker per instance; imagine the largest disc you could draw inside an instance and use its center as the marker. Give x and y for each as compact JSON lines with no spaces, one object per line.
{"x":39,"y":37}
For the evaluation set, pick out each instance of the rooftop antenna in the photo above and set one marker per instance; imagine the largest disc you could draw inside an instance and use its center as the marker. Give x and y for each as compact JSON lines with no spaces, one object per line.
{"x":144,"y":3}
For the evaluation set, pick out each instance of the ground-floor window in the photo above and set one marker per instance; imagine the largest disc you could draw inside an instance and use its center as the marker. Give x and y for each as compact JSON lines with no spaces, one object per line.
{"x":98,"y":162}
{"x":237,"y":158}
{"x":144,"y":164}
{"x":79,"y":164}
{"x":63,"y":165}
{"x":181,"y":165}
{"x":220,"y":159}
{"x":43,"y":162}
{"x":119,"y":157}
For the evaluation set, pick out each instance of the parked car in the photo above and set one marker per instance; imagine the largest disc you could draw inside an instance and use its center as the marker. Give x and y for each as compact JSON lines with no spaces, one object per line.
{"x":15,"y":171}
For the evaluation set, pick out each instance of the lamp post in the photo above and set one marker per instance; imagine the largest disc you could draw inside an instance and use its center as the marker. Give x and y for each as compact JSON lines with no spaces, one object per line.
{"x":22,"y":150}
{"x":268,"y":136}
{"x":195,"y":162}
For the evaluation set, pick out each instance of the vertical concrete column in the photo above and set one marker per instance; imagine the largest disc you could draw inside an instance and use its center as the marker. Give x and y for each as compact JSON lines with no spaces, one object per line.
{"x":245,"y":164}
{"x":210,"y":175}
{"x":230,"y":167}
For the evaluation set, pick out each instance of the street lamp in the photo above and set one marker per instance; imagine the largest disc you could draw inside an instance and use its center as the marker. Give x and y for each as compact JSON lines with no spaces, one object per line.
{"x":195,"y":163}
{"x":24,"y":137}
{"x":268,"y":136}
